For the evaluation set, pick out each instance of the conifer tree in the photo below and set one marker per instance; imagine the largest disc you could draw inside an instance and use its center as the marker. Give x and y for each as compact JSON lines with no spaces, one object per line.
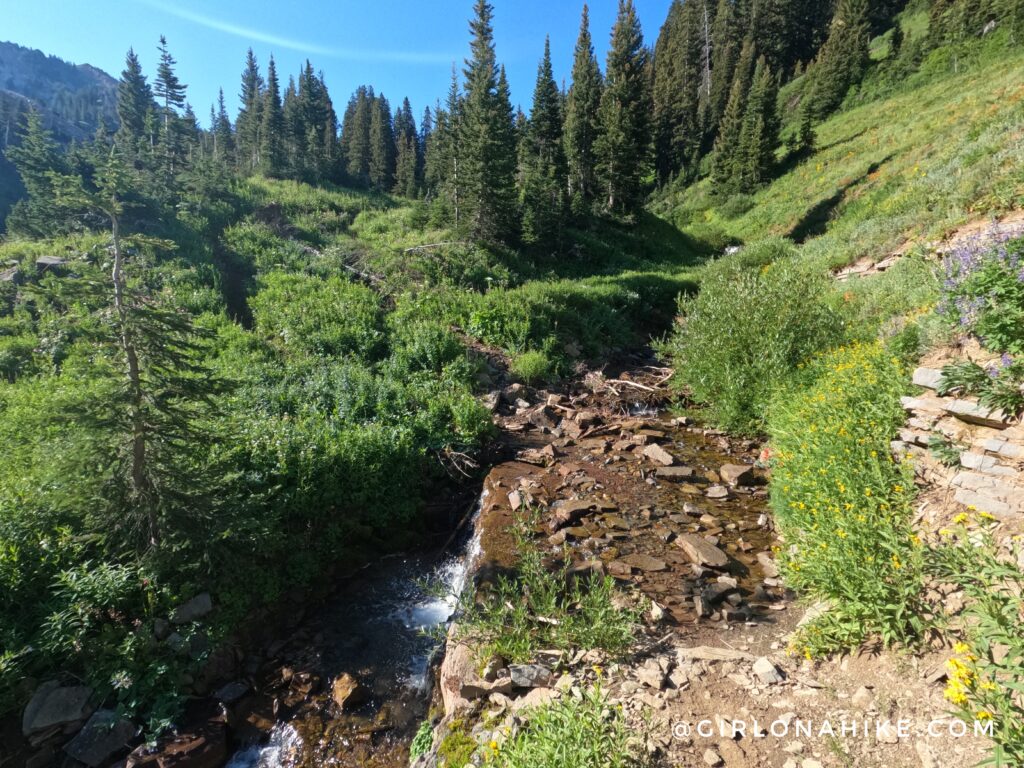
{"x":486,"y":153}
{"x":37,"y":158}
{"x":407,"y":144}
{"x":727,"y":41}
{"x":622,"y":147}
{"x":295,"y":151}
{"x":247,"y":124}
{"x":272,"y":157}
{"x":382,"y":147}
{"x":223,"y":137}
{"x":844,"y":56}
{"x":543,"y":186}
{"x":169,"y":90}
{"x":582,"y":121}
{"x":134,"y":100}
{"x":760,"y":132}
{"x":355,"y":136}
{"x":678,"y":79}
{"x":725,"y":168}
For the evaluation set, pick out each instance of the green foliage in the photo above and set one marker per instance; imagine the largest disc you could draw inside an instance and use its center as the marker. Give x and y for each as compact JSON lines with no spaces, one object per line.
{"x":582,"y":121}
{"x":532,"y":367}
{"x":844,"y":504}
{"x":987,"y":671}
{"x":999,"y":386}
{"x":746,"y":332}
{"x":585,"y":732}
{"x":329,"y":317}
{"x":537,"y":608}
{"x":422,"y":741}
{"x":457,"y":746}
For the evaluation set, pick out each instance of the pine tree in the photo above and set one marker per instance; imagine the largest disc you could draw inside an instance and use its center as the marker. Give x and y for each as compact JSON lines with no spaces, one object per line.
{"x":247,"y":125}
{"x":272,"y":126}
{"x":486,"y":153}
{"x":355,"y":136}
{"x":760,"y":133}
{"x":582,"y":121}
{"x":167,"y":87}
{"x":844,"y":56}
{"x":134,"y":100}
{"x":678,"y":79}
{"x":727,"y":42}
{"x":543,"y":186}
{"x":382,"y":146}
{"x":407,"y":145}
{"x":37,"y":159}
{"x":725,"y":169}
{"x":296,"y":153}
{"x":622,"y":147}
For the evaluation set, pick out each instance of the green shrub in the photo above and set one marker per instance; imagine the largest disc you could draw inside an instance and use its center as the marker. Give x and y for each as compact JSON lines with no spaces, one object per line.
{"x":843,"y":503}
{"x":744,"y":335}
{"x":987,"y":673}
{"x":537,"y":608}
{"x":532,"y":367}
{"x":584,"y":732}
{"x":314,"y":316}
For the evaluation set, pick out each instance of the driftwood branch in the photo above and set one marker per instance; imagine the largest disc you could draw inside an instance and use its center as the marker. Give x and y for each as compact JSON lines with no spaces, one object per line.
{"x":428,"y":246}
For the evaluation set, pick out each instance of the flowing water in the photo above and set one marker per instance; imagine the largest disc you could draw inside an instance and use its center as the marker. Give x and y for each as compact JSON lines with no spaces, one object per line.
{"x":385,"y":630}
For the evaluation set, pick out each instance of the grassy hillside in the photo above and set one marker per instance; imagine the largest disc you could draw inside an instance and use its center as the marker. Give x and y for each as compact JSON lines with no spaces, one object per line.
{"x":944,"y":149}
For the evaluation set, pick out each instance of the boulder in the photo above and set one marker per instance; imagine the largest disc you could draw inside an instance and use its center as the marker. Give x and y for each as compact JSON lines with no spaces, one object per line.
{"x":347,"y":692}
{"x":193,"y":610}
{"x":659,"y":455}
{"x":530,"y":675}
{"x":767,"y":672}
{"x":231,"y":692}
{"x":737,"y":474}
{"x":644,"y":562}
{"x":457,"y":667}
{"x":105,"y":736}
{"x":55,"y":705}
{"x":702,"y":552}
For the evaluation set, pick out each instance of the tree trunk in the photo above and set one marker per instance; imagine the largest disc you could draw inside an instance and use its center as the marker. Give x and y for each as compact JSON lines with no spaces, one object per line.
{"x":139,"y":478}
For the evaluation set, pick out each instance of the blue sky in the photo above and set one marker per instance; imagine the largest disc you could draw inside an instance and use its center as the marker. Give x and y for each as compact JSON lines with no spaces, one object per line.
{"x":401,"y":47}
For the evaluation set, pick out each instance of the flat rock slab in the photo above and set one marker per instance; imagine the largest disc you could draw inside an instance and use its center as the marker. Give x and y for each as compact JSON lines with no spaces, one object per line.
{"x":569,"y":513}
{"x":103,"y":738}
{"x":659,"y":455}
{"x":974,"y":413}
{"x":928,"y":378}
{"x":737,"y":474}
{"x":702,"y":552}
{"x":676,"y":473}
{"x":53,"y":704}
{"x":193,"y":610}
{"x":644,"y":562}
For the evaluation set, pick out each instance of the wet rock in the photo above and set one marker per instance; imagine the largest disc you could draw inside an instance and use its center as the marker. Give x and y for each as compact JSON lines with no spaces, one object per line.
{"x":713,"y":594}
{"x":676,"y":473}
{"x":659,"y":455}
{"x":737,"y":474}
{"x":718,"y":492}
{"x":105,"y":736}
{"x":205,"y":747}
{"x":231,"y":692}
{"x":54,"y":705}
{"x":193,"y":610}
{"x":701,"y":552}
{"x":768,"y":566}
{"x":644,"y":562}
{"x":530,"y":675}
{"x":347,"y":692}
{"x":767,"y":672}
{"x":568,"y":513}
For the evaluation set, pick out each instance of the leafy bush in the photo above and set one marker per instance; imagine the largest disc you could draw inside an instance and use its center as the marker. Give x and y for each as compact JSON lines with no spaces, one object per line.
{"x":585,"y":732}
{"x":744,"y":335}
{"x":538,"y":608}
{"x":984,"y":291}
{"x":532,"y":367}
{"x":999,"y":385}
{"x":319,"y":317}
{"x":987,"y":673}
{"x":844,"y":503}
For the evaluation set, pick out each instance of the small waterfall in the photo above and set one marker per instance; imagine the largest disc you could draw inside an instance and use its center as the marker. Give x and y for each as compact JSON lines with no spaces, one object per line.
{"x":403,"y":611}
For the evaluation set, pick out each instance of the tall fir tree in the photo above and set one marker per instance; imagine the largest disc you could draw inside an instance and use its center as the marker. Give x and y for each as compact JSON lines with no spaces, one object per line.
{"x":759,"y":135}
{"x":844,"y":56}
{"x":272,"y":156}
{"x":37,"y":158}
{"x":382,"y":146}
{"x":543,"y":186}
{"x":170,"y":92}
{"x":582,"y":121}
{"x":407,"y":158}
{"x":678,"y":78}
{"x":487,"y":149}
{"x":727,"y":42}
{"x":355,"y":136}
{"x":725,"y":168}
{"x":623,"y":145}
{"x":223,"y":136}
{"x":134,"y":100}
{"x":250,"y":115}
